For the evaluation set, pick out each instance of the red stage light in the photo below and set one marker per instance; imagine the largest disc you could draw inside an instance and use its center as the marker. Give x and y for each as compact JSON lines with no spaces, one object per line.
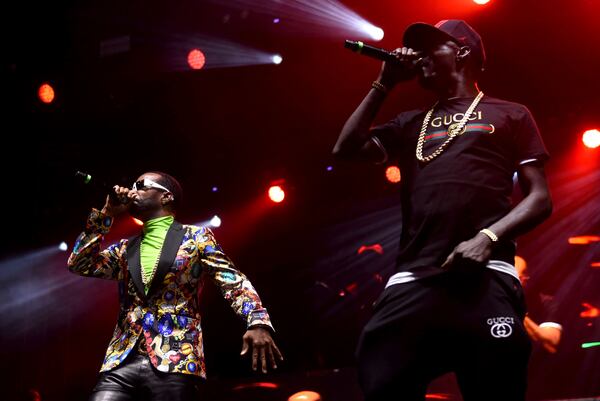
{"x":276,"y":194}
{"x":481,"y":2}
{"x":256,"y":385}
{"x":351,"y":288}
{"x":590,"y":311}
{"x":34,"y":395}
{"x":196,"y":59}
{"x":591,"y":138}
{"x":46,"y":93}
{"x":377,"y":248}
{"x":392,"y":173}
{"x":595,"y":264}
{"x":583,"y":239}
{"x":305,"y":396}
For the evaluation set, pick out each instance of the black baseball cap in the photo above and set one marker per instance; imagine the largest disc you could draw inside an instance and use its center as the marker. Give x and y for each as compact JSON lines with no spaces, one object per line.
{"x":420,"y":35}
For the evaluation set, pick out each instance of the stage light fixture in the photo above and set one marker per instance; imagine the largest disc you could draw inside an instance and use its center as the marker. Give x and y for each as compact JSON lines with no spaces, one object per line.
{"x":276,"y":194}
{"x":201,"y":51}
{"x":481,"y":2}
{"x":215,"y":221}
{"x":63,"y":246}
{"x":46,"y":93}
{"x":591,"y":138}
{"x":277,"y":59}
{"x":377,"y":248}
{"x":584,"y":239}
{"x":196,"y":59}
{"x":306,"y":395}
{"x":589,"y":311}
{"x":392,"y":173}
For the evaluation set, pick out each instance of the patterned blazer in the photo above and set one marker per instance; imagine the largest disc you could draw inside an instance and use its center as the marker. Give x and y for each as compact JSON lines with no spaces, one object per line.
{"x":166,"y":320}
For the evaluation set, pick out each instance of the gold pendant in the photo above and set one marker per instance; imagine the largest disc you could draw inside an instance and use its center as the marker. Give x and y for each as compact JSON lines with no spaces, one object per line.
{"x":452,"y":128}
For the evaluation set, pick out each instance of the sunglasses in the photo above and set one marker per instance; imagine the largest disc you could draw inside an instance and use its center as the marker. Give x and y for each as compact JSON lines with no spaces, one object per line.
{"x":147,"y":184}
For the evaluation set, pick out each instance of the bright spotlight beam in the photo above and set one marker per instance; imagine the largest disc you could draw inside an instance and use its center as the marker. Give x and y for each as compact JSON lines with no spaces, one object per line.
{"x":216,"y":52}
{"x":313,"y":17}
{"x":213,"y":222}
{"x":27,"y":260}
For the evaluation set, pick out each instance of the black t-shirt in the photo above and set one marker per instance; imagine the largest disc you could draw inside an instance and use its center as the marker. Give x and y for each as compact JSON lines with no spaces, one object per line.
{"x":468,"y":186}
{"x":541,"y":308}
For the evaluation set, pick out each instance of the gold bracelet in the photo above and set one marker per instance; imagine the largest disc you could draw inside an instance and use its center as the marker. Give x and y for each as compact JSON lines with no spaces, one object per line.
{"x":379,"y":86}
{"x":490,"y":234}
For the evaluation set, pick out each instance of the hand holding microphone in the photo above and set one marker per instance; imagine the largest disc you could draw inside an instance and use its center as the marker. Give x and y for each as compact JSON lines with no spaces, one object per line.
{"x":399,"y":65}
{"x":118,"y":199}
{"x":404,"y":68}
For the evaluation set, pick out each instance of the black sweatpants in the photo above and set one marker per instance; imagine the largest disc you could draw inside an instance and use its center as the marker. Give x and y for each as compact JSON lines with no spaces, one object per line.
{"x":470,"y":324}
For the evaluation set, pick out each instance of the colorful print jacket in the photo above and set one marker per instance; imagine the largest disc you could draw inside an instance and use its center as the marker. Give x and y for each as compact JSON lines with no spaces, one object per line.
{"x":166,"y":320}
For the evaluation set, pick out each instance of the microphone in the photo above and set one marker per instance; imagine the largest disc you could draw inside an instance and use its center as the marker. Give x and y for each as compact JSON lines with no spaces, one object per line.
{"x":86,"y":179}
{"x":374,"y":52}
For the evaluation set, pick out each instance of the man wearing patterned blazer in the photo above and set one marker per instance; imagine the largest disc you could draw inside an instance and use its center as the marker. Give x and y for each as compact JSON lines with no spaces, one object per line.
{"x":156,"y":350}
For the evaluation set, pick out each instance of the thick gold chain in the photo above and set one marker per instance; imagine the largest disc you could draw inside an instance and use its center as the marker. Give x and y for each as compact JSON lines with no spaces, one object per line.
{"x":453,"y":131}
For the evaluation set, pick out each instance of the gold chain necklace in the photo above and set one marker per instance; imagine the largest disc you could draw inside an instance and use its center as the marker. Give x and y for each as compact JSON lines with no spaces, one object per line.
{"x":147,"y":277}
{"x":454,"y":130}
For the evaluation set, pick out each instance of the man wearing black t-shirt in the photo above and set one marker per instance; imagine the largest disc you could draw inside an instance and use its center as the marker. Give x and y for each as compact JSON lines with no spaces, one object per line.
{"x":455,"y":303}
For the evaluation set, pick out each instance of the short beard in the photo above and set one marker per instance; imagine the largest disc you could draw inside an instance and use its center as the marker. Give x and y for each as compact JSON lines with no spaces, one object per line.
{"x":137,"y":211}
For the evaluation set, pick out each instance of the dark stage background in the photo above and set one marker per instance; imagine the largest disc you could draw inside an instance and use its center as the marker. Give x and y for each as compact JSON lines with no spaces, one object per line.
{"x":137,"y":107}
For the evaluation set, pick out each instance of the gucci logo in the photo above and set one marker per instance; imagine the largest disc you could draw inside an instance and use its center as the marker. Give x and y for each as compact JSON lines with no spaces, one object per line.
{"x":501,"y":330}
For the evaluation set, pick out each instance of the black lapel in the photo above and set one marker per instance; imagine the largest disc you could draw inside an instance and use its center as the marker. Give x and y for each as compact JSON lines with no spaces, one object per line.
{"x":167,"y":255}
{"x":134,"y":264}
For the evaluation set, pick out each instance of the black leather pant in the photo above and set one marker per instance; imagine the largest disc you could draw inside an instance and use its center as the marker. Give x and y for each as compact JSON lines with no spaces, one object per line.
{"x":136,"y":379}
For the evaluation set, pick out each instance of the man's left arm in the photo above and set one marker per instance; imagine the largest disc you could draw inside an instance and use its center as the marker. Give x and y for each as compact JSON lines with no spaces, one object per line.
{"x":535,"y":207}
{"x":243,"y":298}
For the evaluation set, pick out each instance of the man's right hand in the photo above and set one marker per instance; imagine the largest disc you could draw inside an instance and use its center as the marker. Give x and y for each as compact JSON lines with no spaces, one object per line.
{"x":401,"y":70}
{"x":119,"y":202}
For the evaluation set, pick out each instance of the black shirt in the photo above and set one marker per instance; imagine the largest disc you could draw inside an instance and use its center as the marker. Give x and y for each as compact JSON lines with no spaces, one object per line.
{"x":468,"y":186}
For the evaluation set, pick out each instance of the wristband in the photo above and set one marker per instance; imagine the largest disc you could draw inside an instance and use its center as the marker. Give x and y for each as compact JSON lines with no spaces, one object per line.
{"x":490,"y":234}
{"x":379,"y":86}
